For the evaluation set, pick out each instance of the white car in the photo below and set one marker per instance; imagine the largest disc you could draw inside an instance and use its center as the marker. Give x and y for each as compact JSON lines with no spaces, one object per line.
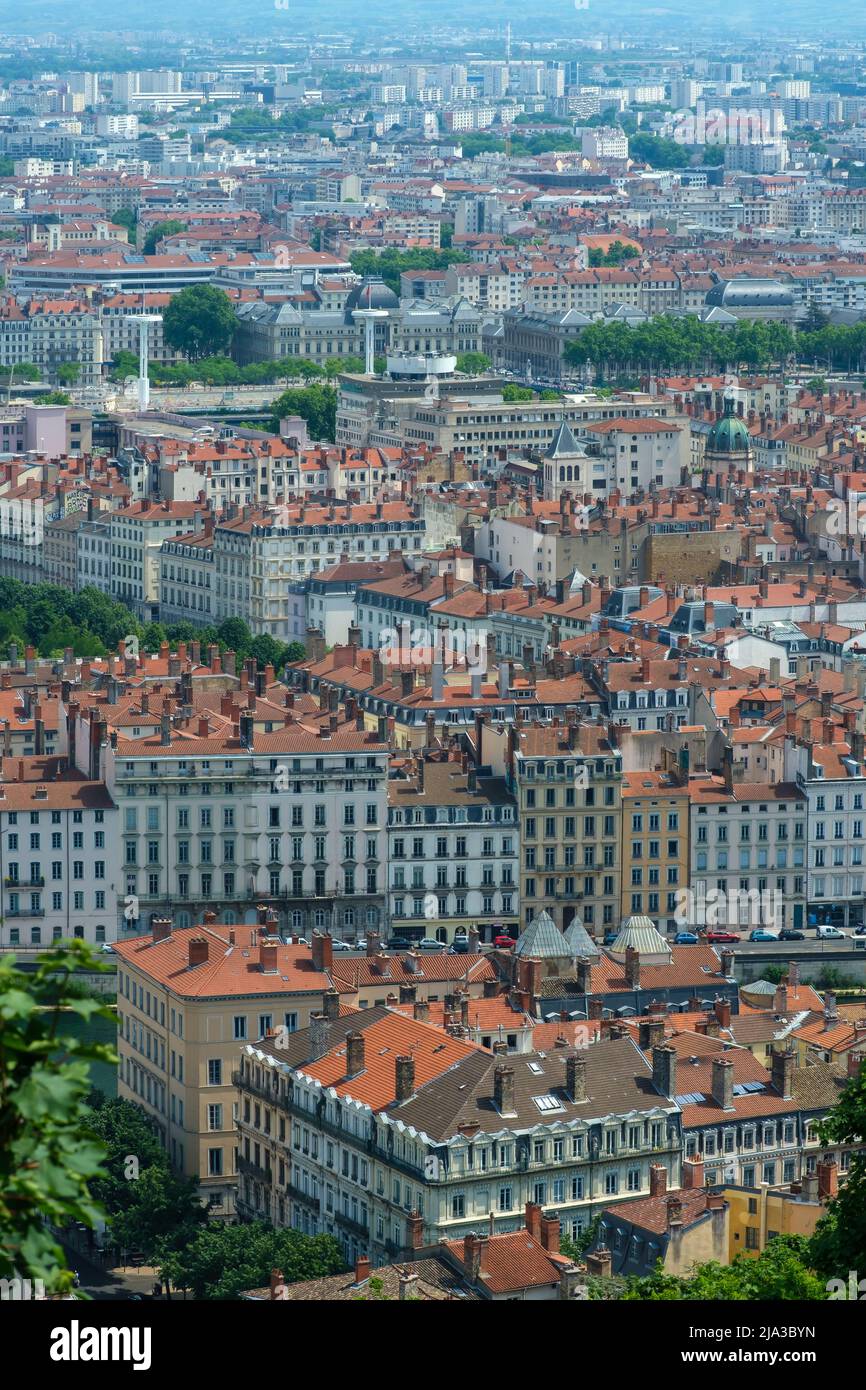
{"x":829,"y":933}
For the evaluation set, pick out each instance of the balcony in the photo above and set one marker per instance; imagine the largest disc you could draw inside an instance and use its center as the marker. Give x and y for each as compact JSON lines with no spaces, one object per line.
{"x":297,"y":1194}
{"x":254,"y":1170}
{"x":353,"y":1227}
{"x":24,"y":882}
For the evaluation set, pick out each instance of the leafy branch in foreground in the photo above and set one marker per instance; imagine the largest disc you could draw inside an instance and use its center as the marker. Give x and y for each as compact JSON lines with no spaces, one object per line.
{"x":47,"y":1158}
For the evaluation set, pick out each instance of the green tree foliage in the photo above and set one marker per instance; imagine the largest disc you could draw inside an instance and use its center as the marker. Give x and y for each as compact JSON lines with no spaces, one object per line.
{"x":781,"y":1272}
{"x":839,"y":1242}
{"x":661,"y":154}
{"x":666,"y":343}
{"x":316,"y":404}
{"x":125,"y":217}
{"x":68,"y":373}
{"x":473,"y":363}
{"x":147,"y":1204}
{"x":200,"y":321}
{"x":22,"y":371}
{"x":222,"y":1261}
{"x":616,"y":253}
{"x":510,"y":392}
{"x":47,"y":1159}
{"x":52,"y":398}
{"x":391,"y":262}
{"x":124,"y":364}
{"x":158,"y":231}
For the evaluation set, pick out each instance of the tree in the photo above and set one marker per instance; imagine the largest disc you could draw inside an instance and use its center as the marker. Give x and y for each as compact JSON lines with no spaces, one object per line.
{"x":815,"y":319}
{"x":781,"y":1272}
{"x":23,"y":371}
{"x":234,"y":634}
{"x":125,"y":217}
{"x":510,"y":392}
{"x":221,"y":1261}
{"x":158,"y":231}
{"x":52,"y":398}
{"x":316,"y":404}
{"x":200,"y":321}
{"x":839,"y":1242}
{"x":296,"y":652}
{"x":68,"y":373}
{"x":47,"y":1160}
{"x":473,"y":363}
{"x":124,"y":364}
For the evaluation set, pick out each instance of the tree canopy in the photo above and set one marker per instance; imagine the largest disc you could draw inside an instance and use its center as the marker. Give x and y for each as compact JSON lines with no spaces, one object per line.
{"x":199,"y":321}
{"x":221,"y":1261}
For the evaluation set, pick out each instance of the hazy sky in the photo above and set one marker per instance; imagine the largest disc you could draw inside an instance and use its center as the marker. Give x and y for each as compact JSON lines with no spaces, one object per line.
{"x":840,"y":17}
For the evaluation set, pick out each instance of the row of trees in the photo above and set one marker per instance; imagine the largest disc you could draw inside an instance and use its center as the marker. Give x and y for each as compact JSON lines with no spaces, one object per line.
{"x":51,"y":618}
{"x":672,"y":343}
{"x":222,"y":371}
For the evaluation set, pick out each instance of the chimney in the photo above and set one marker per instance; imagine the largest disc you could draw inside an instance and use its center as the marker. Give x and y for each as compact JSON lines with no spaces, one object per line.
{"x":503,"y":1090}
{"x":268,"y":958}
{"x":278,"y":1282}
{"x":550,"y":1234}
{"x":675,"y":1211}
{"x":575,"y":1078}
{"x":658,"y":1180}
{"x":161,"y":928}
{"x":198,"y":949}
{"x":665,"y":1070}
{"x":651,"y":1033}
{"x":331,"y":1004}
{"x":722,"y":1085}
{"x":362,"y":1269}
{"x":405,"y":1078}
{"x":632,"y":967}
{"x":415,"y":1228}
{"x":533,"y":1219}
{"x":599,"y":1262}
{"x":783,"y":1072}
{"x":828,"y":1179}
{"x":693,"y":1172}
{"x":355,"y":1054}
{"x":473,"y":1247}
{"x":722,"y":1009}
{"x":323,"y":951}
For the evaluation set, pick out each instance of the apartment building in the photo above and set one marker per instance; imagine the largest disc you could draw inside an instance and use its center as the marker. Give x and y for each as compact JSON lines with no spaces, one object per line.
{"x":453,"y":854}
{"x":748,"y":853}
{"x":567,"y":781}
{"x":221,"y":811}
{"x":387,"y":1133}
{"x":186,"y":578}
{"x":655,"y":845}
{"x":59,"y":856}
{"x":832,"y":777}
{"x":50,"y":333}
{"x":188,"y":999}
{"x":136,"y":534}
{"x":261,"y":557}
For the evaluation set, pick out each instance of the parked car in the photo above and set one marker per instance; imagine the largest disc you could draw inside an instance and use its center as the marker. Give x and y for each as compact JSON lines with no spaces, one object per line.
{"x":830,"y":933}
{"x":107,"y":950}
{"x":790,"y":934}
{"x":503,"y":942}
{"x":338,"y":945}
{"x":459,"y":946}
{"x":761,"y":934}
{"x":723,"y":938}
{"x":610,"y":938}
{"x":429,"y":943}
{"x":860,"y":931}
{"x":686,"y":938}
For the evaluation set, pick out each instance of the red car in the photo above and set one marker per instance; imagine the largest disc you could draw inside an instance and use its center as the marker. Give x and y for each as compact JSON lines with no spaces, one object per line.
{"x":722,"y":938}
{"x":503,"y":942}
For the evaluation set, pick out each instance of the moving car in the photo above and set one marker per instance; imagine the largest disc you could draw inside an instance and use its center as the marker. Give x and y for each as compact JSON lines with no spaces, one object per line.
{"x":459,"y":947}
{"x":830,"y":933}
{"x":429,"y":943}
{"x":398,"y":943}
{"x":789,"y":934}
{"x":503,"y":942}
{"x":761,"y":934}
{"x":723,"y":938}
{"x":686,"y":938}
{"x":338,"y":945}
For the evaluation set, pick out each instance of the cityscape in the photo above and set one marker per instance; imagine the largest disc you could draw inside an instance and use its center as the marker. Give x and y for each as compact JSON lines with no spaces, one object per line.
{"x":432,"y":664}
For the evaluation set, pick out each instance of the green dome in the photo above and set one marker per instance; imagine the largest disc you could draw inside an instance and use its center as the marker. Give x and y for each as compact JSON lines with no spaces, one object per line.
{"x":728,"y":435}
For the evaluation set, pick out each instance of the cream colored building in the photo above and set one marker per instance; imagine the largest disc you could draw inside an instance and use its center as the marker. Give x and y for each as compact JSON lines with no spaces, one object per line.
{"x":188,"y":1001}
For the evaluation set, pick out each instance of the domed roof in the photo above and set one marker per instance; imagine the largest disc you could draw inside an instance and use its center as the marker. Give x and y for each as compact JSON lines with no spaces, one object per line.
{"x":372,"y":293}
{"x":728,"y":435}
{"x":579,"y":940}
{"x":542,"y":940}
{"x":750,"y":292}
{"x":641,"y":935}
